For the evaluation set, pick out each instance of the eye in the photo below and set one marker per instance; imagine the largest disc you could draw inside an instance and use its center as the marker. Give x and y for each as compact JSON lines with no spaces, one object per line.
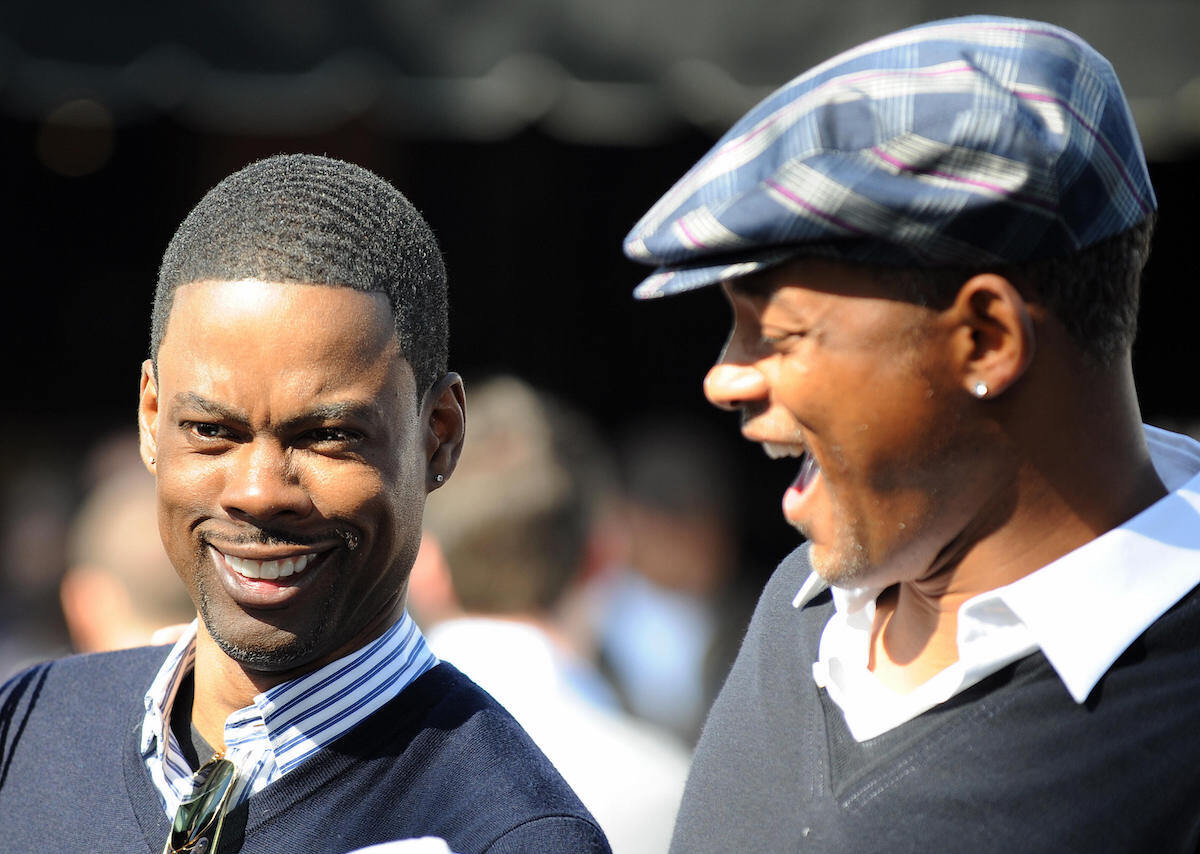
{"x":329,"y":434}
{"x":778,"y":340}
{"x":206,"y":430}
{"x":329,"y":437}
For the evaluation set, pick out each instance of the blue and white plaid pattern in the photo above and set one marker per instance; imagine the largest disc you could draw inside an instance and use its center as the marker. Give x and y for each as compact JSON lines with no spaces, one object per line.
{"x":972,"y":140}
{"x":286,"y":724}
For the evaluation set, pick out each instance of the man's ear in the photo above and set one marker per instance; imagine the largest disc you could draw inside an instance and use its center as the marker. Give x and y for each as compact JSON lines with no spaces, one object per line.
{"x":148,"y":416}
{"x":995,"y":340}
{"x":444,"y":414}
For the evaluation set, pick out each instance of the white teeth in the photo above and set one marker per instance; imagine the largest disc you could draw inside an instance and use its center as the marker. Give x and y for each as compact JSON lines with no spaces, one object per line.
{"x":268,"y":569}
{"x":248,"y":568}
{"x":777,"y":451}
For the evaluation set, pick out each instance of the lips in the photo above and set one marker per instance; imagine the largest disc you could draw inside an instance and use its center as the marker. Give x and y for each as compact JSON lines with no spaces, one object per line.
{"x":266,"y":583}
{"x":796,"y":494}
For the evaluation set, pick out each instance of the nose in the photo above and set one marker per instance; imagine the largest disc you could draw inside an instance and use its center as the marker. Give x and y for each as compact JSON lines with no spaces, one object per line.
{"x":261,"y":484}
{"x":732,"y":386}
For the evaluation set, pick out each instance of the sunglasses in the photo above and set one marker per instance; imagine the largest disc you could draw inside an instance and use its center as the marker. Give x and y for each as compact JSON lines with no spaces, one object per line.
{"x":198,"y":820}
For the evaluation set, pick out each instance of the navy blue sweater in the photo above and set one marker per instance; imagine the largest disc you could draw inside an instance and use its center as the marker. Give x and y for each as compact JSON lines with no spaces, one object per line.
{"x":1013,"y":764}
{"x":442,"y":759}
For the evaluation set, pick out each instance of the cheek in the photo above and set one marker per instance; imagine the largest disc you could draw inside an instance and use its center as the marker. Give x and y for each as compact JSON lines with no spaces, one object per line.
{"x":878,"y":426}
{"x":388,"y":508}
{"x":177,"y":516}
{"x":185,"y":491}
{"x":844,"y":401}
{"x":189,"y":479}
{"x":340,"y":487}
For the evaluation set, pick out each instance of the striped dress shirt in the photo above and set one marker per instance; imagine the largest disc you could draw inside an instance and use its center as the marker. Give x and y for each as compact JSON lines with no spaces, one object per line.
{"x":286,"y":724}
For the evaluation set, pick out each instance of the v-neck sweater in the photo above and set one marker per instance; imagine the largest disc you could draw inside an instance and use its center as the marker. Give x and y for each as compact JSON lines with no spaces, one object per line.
{"x":441,"y":759}
{"x":1011,"y":764}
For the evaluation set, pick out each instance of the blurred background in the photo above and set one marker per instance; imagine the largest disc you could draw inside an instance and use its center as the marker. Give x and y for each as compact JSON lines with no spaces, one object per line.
{"x":531,"y":134}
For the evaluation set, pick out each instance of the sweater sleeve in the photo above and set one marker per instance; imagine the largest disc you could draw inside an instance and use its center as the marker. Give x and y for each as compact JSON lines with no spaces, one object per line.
{"x":552,"y":835}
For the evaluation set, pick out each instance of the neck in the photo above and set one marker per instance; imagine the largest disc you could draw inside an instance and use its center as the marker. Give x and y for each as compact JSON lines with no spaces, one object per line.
{"x":222,"y":687}
{"x":1080,"y":468}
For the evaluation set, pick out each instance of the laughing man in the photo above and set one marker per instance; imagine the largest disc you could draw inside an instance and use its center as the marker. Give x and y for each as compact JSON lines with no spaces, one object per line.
{"x":932,"y":247}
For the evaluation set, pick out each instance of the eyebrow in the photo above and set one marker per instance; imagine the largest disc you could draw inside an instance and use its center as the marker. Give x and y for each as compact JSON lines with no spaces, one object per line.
{"x":192,"y":400}
{"x":335,"y":411}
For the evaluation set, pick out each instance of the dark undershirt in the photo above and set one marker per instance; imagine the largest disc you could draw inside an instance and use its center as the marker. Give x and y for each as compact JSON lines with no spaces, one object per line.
{"x":192,"y":745}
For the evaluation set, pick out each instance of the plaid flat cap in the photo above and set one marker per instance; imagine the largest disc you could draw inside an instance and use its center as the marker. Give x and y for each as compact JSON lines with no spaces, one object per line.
{"x":968,"y":141}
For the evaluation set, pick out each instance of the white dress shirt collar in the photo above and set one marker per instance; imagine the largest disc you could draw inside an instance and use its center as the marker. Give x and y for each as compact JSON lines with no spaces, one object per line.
{"x":1082,"y":610}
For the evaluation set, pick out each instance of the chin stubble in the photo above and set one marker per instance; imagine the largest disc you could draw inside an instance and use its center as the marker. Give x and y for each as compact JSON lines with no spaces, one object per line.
{"x":843,"y":567}
{"x":283,"y":656}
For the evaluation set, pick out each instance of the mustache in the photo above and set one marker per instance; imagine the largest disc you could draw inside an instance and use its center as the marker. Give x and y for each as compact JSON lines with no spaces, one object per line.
{"x":264,"y":536}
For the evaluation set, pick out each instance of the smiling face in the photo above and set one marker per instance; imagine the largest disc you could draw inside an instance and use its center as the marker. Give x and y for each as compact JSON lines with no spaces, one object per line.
{"x":862,"y":390}
{"x":292,"y":455}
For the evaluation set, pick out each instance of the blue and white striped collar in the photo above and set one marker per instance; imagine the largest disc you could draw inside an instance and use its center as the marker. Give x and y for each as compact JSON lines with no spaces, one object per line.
{"x":287,"y":724}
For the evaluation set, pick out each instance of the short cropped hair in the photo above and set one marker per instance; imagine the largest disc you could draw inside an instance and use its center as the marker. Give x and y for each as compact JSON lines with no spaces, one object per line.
{"x":516,"y":519}
{"x":1094,"y":292}
{"x":308,"y":219}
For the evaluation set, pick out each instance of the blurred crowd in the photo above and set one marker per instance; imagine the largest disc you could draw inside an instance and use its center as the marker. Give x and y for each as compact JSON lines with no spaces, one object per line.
{"x":81,"y":565}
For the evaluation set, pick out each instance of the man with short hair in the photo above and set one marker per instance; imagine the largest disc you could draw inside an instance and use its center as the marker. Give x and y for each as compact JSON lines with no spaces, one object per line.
{"x":932,"y":246}
{"x":295,"y":410}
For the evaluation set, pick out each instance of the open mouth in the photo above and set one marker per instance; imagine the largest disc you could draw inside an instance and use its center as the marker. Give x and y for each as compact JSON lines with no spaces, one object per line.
{"x":798,"y":490}
{"x":272,"y":581}
{"x":809,"y":469}
{"x":280,"y":573}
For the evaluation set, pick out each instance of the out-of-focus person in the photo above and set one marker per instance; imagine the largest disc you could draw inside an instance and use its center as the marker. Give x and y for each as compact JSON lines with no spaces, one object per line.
{"x":431,"y":598}
{"x":671,"y":614}
{"x":36,"y":500}
{"x":517,"y":530}
{"x":120,"y":589}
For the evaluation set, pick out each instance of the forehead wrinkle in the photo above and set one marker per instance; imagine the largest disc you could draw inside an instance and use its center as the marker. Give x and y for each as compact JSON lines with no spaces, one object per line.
{"x":337,"y":411}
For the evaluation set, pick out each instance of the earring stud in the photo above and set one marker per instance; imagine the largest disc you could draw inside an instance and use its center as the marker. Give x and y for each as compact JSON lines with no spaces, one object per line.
{"x":439,"y":477}
{"x":980,"y":390}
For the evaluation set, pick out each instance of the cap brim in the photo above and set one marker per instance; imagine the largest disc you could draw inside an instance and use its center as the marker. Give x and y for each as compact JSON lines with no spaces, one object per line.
{"x":667,"y":281}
